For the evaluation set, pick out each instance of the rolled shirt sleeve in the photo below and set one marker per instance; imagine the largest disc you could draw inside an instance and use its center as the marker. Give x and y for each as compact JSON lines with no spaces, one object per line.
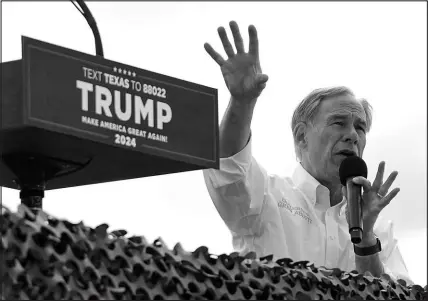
{"x":237,"y":190}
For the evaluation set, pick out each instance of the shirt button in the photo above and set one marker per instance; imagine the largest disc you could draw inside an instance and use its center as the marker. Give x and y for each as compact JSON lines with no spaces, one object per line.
{"x":331,"y":237}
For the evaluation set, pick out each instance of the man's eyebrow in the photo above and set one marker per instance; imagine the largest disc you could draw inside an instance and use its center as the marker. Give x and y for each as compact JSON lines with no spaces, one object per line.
{"x":333,"y":117}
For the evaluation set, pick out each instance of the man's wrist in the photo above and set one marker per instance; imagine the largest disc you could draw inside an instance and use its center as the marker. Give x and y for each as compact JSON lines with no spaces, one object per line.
{"x":369,"y":239}
{"x":250,"y":102}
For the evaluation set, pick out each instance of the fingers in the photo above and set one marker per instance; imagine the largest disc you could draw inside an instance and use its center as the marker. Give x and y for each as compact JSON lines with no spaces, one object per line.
{"x":214,"y":54}
{"x":385,"y":187}
{"x":379,"y":176}
{"x":225,"y":41}
{"x":388,"y":198}
{"x":253,"y":47}
{"x":363,"y":182}
{"x":254,"y":42}
{"x":239,"y":43}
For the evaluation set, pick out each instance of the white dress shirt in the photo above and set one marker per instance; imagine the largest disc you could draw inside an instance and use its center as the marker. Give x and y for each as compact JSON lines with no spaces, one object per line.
{"x":290,"y":217}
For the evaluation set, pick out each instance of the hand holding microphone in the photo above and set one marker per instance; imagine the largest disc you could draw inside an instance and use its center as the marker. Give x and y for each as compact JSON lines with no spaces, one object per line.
{"x":363,"y":209}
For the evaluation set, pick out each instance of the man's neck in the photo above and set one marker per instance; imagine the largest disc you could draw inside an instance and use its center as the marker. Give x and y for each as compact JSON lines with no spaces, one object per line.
{"x":335,"y":195}
{"x":335,"y":187}
{"x":335,"y":192}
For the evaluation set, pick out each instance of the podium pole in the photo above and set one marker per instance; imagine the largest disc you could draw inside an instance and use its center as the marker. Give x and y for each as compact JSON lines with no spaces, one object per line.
{"x":32,"y":173}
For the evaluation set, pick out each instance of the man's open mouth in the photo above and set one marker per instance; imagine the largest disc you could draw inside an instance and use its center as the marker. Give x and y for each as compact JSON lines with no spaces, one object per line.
{"x":347,"y":153}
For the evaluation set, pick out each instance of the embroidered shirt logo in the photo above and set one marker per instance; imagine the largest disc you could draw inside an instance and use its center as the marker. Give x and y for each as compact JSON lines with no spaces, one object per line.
{"x":283,"y":203}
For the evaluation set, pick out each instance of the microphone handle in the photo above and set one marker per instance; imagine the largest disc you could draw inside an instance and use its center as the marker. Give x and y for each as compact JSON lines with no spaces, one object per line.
{"x":354,"y":209}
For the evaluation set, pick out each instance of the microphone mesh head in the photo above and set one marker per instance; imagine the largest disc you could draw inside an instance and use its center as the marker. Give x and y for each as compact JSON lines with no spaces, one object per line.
{"x":352,"y":167}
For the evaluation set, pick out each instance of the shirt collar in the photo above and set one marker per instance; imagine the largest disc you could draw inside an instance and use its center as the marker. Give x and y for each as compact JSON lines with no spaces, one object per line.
{"x":310,"y":187}
{"x":313,"y":189}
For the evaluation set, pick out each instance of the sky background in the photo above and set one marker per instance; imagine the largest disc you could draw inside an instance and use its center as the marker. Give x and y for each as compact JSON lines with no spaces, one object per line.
{"x":376,"y":49}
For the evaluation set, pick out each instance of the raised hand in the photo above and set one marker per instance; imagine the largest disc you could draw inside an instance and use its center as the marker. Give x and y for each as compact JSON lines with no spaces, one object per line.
{"x":242,"y":72}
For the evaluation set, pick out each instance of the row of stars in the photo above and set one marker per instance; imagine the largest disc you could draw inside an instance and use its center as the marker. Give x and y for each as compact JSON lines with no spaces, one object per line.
{"x":124,"y":72}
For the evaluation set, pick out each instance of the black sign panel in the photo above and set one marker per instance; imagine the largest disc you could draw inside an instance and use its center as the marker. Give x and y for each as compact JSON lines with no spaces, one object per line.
{"x":90,"y":97}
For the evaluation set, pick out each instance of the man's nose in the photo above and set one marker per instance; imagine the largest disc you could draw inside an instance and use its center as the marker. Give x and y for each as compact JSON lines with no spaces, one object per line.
{"x":352,"y":135}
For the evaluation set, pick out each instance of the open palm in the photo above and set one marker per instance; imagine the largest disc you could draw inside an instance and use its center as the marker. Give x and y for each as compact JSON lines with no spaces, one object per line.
{"x":241,"y":71}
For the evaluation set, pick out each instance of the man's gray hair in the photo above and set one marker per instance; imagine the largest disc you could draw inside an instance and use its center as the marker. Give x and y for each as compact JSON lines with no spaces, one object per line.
{"x":308,"y":107}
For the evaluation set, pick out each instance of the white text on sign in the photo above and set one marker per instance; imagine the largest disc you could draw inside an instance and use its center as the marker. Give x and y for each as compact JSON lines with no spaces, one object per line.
{"x":128,"y":141}
{"x":107,"y":103}
{"x":118,"y":81}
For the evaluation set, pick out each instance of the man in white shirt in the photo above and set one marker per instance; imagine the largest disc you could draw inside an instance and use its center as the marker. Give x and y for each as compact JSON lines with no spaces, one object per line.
{"x":303,"y":217}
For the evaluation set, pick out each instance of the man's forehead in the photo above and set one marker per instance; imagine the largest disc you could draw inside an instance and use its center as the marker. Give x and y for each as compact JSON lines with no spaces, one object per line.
{"x":344,"y":106}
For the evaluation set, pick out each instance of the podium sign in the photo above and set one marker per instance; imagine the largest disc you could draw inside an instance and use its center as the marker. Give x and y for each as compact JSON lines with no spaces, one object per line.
{"x":128,"y":121}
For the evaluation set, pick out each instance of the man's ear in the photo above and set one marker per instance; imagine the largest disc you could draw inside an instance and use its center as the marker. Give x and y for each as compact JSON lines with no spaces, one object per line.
{"x":299,"y":133}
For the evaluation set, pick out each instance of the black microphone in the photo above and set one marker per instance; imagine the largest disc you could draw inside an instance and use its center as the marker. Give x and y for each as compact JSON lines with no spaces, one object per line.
{"x":350,"y":168}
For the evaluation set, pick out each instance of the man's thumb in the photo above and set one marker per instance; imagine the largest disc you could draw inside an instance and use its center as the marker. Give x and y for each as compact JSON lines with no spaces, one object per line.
{"x":261,"y":79}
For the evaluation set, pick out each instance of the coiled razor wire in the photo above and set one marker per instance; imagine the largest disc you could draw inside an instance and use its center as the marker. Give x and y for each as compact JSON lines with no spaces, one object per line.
{"x":46,"y":258}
